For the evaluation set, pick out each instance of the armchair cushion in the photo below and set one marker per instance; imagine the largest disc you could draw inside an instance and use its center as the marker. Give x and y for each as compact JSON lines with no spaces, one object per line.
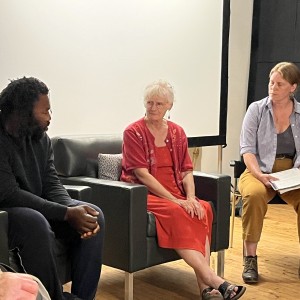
{"x":109,"y":166}
{"x":151,"y":225}
{"x":77,"y":155}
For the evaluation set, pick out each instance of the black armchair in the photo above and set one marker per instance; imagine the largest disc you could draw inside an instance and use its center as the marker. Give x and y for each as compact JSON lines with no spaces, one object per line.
{"x":63,"y":258}
{"x":130,"y":238}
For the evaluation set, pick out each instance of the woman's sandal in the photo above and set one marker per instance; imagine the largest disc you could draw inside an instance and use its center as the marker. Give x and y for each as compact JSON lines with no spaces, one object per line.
{"x":227,"y":288}
{"x":207,"y":295}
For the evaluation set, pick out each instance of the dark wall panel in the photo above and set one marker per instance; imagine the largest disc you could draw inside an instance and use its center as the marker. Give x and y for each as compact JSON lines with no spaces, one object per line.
{"x":275,"y":38}
{"x":277,"y":35}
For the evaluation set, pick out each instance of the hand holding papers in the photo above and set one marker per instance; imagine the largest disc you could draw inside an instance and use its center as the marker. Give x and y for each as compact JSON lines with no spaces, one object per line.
{"x":288,"y":180}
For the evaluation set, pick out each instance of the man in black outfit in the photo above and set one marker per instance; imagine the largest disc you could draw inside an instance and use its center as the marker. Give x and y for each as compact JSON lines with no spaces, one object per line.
{"x":39,"y":208}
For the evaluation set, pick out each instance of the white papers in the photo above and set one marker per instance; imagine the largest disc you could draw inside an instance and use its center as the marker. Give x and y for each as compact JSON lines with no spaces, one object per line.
{"x":288,"y":180}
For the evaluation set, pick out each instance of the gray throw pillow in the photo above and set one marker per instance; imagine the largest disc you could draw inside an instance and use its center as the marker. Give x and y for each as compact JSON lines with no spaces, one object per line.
{"x":109,"y":166}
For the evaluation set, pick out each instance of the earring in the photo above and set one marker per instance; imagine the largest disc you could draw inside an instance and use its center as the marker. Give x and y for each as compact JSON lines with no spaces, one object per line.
{"x":169,"y":115}
{"x":292,"y":95}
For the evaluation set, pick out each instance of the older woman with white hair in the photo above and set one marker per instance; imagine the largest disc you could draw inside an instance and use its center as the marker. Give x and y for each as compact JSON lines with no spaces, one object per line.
{"x":155,"y":153}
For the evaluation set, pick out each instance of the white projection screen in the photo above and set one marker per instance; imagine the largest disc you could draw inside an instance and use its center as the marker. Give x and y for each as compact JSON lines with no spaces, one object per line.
{"x":97,"y":56}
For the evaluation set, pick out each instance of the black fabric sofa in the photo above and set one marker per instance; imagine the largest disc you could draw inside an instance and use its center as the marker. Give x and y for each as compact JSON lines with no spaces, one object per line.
{"x":130,"y":237}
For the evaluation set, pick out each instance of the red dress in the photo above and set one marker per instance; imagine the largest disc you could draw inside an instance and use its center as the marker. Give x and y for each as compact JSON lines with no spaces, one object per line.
{"x":176,"y":229}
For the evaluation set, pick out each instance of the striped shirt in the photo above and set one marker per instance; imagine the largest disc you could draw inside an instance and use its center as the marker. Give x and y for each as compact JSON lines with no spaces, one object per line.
{"x":259,"y":136}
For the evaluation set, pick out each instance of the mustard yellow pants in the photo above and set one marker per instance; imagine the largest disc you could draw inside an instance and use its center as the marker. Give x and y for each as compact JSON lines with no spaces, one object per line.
{"x":256,"y":196}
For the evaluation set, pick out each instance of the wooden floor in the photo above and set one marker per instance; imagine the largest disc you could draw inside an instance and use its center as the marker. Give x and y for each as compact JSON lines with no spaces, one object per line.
{"x":278,"y":259}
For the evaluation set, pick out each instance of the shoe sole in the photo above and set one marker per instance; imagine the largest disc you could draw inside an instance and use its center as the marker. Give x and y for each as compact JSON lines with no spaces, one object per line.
{"x":250,"y":281}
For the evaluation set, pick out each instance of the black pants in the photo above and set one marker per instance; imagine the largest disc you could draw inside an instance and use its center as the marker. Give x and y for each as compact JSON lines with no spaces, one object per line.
{"x":34,"y":236}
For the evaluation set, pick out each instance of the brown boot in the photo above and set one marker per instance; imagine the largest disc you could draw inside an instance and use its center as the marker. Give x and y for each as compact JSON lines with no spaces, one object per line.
{"x":250,"y":273}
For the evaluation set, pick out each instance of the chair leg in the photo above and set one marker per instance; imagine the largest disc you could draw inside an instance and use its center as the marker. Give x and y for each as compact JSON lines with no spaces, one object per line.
{"x":128,"y":286}
{"x":220,"y":263}
{"x":244,"y":251}
{"x":233,"y":202}
{"x":235,"y":198}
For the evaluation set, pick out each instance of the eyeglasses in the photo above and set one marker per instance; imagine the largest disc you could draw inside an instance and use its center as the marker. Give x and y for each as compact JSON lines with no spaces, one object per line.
{"x":157,"y":105}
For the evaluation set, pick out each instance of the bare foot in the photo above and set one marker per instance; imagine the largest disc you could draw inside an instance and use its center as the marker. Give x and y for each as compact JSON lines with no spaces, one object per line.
{"x":206,"y":293}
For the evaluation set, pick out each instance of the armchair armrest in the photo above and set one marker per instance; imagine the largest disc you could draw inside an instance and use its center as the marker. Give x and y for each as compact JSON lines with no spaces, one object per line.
{"x":82,"y":193}
{"x":125,"y":210}
{"x":3,"y":238}
{"x":216,"y":189}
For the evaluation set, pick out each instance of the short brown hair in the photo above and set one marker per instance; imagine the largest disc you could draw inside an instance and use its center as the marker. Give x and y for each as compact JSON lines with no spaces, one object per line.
{"x":289,"y":71}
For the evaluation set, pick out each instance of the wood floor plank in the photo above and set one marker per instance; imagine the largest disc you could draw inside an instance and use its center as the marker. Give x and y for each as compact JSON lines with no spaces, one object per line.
{"x":278,"y":259}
